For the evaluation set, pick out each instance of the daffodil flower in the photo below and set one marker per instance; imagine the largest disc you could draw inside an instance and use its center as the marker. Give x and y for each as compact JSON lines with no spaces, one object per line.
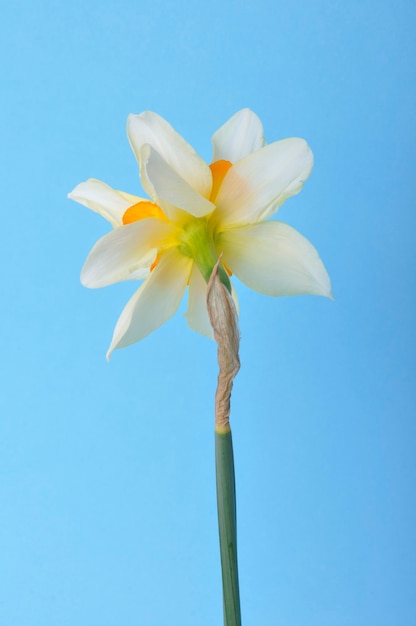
{"x":195,"y":214}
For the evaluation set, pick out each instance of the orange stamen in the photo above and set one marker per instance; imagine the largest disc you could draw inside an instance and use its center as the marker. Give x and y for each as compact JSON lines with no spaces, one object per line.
{"x":155,"y":262}
{"x":218,"y":169}
{"x":141,"y":211}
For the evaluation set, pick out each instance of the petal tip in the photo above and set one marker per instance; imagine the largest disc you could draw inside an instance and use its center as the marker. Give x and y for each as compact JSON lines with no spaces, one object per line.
{"x":83,"y":282}
{"x":326,"y":287}
{"x":86,"y":279}
{"x":72,"y":195}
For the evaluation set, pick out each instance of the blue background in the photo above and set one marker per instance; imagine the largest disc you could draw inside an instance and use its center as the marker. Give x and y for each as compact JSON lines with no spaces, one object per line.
{"x":107,"y":497}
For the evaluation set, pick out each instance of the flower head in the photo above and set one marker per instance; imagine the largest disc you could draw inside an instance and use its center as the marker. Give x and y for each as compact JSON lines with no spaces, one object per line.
{"x":195,"y":214}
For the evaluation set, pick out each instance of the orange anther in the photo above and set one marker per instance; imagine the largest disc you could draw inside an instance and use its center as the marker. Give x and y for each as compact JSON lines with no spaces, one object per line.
{"x":141,"y":211}
{"x":218,"y":170}
{"x":155,"y":262}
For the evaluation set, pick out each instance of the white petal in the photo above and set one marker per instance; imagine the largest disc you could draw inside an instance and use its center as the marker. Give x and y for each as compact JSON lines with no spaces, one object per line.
{"x":274,"y":259}
{"x":150,"y":128}
{"x":197,"y":313}
{"x":156,"y":301}
{"x":168,"y":186}
{"x":109,"y":203}
{"x":123,"y":252}
{"x":241,"y":135}
{"x":255,"y":187}
{"x":143,"y":272}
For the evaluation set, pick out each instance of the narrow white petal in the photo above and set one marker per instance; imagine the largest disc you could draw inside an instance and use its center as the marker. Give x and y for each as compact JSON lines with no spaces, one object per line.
{"x":274,"y":259}
{"x":255,"y":187}
{"x":123,"y":252}
{"x":99,"y":197}
{"x":238,"y":137}
{"x":168,"y":186}
{"x":156,"y":301}
{"x":150,"y":128}
{"x":197,"y":313}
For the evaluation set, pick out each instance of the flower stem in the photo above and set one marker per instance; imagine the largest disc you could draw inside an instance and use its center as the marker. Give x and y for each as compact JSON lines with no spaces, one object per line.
{"x":227,"y":523}
{"x":223,"y":317}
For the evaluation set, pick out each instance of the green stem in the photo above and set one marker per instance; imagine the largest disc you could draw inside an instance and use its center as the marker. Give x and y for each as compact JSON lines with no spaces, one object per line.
{"x":227,"y":523}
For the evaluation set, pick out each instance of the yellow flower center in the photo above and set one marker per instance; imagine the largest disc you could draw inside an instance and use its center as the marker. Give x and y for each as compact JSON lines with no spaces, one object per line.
{"x":196,"y":240}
